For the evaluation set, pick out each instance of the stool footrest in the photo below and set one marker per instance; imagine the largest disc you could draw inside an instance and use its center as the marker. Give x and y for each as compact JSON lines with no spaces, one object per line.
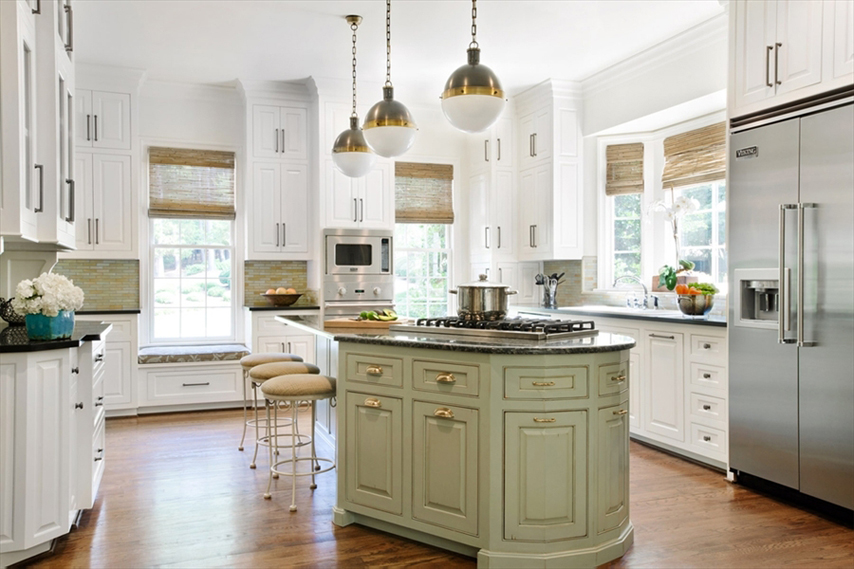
{"x":310,"y":473}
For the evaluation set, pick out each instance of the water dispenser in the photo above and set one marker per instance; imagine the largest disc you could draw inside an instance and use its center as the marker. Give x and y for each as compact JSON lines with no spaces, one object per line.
{"x":757,"y":297}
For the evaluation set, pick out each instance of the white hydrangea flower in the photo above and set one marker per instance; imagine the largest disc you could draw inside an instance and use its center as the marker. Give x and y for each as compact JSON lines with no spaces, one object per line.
{"x":47,"y":294}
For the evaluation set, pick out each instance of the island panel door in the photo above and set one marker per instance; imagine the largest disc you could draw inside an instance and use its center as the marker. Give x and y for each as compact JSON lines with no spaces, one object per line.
{"x":613,"y":471}
{"x":444,"y":466}
{"x":374,"y":452}
{"x":545,"y":484}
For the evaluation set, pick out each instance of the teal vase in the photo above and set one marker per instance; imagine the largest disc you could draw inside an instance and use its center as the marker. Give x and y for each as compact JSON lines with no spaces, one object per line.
{"x":41,"y":327}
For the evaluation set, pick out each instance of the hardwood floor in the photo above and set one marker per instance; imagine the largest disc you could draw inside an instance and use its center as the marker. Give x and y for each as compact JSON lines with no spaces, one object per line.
{"x":178,"y":493}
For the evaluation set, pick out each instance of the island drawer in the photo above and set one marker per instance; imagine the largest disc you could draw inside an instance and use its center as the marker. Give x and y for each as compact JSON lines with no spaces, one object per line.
{"x":613,"y":378}
{"x":708,"y":349}
{"x":556,"y":382}
{"x":708,"y":407}
{"x":711,"y":376}
{"x":445,"y":377}
{"x":375,"y":370}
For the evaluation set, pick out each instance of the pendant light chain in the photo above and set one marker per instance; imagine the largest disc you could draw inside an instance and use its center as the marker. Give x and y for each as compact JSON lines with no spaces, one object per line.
{"x":354,"y":27}
{"x":388,"y":43}
{"x":473,"y":43}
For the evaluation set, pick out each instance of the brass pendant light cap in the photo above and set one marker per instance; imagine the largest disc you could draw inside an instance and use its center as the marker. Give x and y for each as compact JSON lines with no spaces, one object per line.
{"x":389,"y":112}
{"x":473,"y":78}
{"x":353,"y":19}
{"x":352,"y":139}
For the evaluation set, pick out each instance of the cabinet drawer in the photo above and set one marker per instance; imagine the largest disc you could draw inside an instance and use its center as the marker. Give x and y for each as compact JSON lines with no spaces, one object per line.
{"x":98,"y":394}
{"x":98,"y":457}
{"x":613,"y":378}
{"x":99,"y":352}
{"x":708,"y":407}
{"x":561,"y":382}
{"x":708,"y":439}
{"x":199,"y":385}
{"x":709,"y":349}
{"x":375,"y":370}
{"x":268,"y":326}
{"x":710,"y":376}
{"x":443,"y":377}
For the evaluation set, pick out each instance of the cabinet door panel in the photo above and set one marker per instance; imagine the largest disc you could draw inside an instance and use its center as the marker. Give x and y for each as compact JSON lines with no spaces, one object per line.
{"x":504,"y":142}
{"x":302,"y":345}
{"x":342,"y":202}
{"x":266,"y":138}
{"x":117,"y":373}
{"x":113,"y":120}
{"x":504,"y":205}
{"x":293,"y":124}
{"x":843,"y":38}
{"x":613,"y":471}
{"x":543,"y":225}
{"x":83,"y":118}
{"x":478,"y":214}
{"x":798,"y":63}
{"x":526,"y":140}
{"x":444,"y":466}
{"x":294,"y":208}
{"x":83,"y":206}
{"x":266,"y":207}
{"x":755,"y":32}
{"x":529,"y":293}
{"x":374,"y":452}
{"x":665,"y":406}
{"x":543,"y":139}
{"x":634,"y":390}
{"x":527,"y":212}
{"x":545,"y":485}
{"x":112,"y":202}
{"x":376,"y":203}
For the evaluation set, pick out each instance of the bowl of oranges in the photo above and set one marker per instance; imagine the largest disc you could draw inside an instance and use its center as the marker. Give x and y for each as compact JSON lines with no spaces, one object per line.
{"x":696,"y":300}
{"x":281,"y":296}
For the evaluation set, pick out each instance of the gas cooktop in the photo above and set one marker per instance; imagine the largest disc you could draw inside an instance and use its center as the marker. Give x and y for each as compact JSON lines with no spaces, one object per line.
{"x":510,"y":328}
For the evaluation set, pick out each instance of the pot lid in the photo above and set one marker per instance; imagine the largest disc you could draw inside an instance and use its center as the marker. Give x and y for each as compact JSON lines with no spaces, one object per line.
{"x":483,"y":283}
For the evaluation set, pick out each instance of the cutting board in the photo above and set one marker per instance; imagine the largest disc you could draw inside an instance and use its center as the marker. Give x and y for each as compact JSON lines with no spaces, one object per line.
{"x":361,"y":324}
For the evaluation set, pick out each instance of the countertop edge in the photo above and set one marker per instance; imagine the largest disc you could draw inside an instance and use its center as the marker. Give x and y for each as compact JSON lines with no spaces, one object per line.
{"x":423,"y":342}
{"x":712,"y":321}
{"x":116,"y":311}
{"x":89,"y":332}
{"x":292,"y":307}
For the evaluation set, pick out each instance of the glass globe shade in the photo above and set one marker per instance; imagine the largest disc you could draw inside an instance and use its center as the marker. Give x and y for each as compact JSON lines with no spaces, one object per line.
{"x":351,"y":153}
{"x":390,"y":141}
{"x":473,"y":113}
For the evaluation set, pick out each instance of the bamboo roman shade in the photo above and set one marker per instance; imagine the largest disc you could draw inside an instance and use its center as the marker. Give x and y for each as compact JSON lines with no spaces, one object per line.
{"x":190,"y":183}
{"x":423,"y":193}
{"x":624,"y":169}
{"x":695,"y":156}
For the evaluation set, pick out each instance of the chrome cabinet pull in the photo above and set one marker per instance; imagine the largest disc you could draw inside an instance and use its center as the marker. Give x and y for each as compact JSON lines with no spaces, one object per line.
{"x":72,"y":198}
{"x":621,"y":412}
{"x":201,"y":383}
{"x":88,"y":125}
{"x":543,"y":420}
{"x":355,"y":209}
{"x":486,"y":237}
{"x":361,"y":209}
{"x":277,"y":235}
{"x":543,"y":383}
{"x":768,"y":49}
{"x":802,"y":342}
{"x":374,"y":370}
{"x":777,"y":63}
{"x":785,"y":318}
{"x":371,"y":402}
{"x":535,"y":144}
{"x":499,"y":236}
{"x":283,"y":141}
{"x":621,"y":377}
{"x":40,"y":168}
{"x":531,"y":145}
{"x":78,"y":405}
{"x":89,"y":230}
{"x":499,"y":150}
{"x":69,"y":18}
{"x":486,"y":150}
{"x":38,"y":8}
{"x":276,"y":136}
{"x":444,"y":413}
{"x":446,"y":378}
{"x":662,"y":336}
{"x":96,"y":128}
{"x":707,"y":407}
{"x":536,"y":241}
{"x":500,"y":275}
{"x":531,"y":236}
{"x":284,"y":234}
{"x":97,"y":239}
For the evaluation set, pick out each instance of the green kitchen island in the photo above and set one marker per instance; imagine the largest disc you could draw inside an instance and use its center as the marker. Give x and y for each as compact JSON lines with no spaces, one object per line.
{"x":513,"y":452}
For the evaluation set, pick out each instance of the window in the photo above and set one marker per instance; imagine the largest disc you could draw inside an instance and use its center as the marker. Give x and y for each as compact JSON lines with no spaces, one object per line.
{"x":702,"y":234}
{"x":626,"y":236}
{"x":422,"y":257}
{"x":191,"y":267}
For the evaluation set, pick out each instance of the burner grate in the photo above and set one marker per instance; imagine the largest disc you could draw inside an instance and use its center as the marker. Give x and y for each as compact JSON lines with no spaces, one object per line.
{"x":532,"y":328}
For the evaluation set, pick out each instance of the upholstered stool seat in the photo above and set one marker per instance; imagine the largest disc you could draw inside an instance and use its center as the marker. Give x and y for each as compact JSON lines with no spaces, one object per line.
{"x":263,"y":372}
{"x":293,"y":389}
{"x":247,"y":363}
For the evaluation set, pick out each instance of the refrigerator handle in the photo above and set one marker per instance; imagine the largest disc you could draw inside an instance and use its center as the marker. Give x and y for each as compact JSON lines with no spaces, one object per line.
{"x":801,"y":312}
{"x":785,"y":314}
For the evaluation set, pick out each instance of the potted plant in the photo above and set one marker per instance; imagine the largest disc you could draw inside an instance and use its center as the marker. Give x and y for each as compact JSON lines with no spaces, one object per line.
{"x":696,"y":300}
{"x":49,"y":302}
{"x":669,"y":276}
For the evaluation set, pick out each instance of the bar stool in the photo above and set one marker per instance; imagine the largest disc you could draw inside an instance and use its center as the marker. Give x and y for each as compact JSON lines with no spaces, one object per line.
{"x":248,"y":362}
{"x":293,"y":389}
{"x":260,"y":374}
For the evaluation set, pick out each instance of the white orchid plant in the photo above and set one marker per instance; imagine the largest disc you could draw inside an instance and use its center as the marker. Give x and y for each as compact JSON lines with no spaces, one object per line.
{"x":47,"y":294}
{"x":675,"y":211}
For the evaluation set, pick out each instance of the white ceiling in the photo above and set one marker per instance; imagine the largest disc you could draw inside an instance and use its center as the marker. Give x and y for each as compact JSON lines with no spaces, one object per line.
{"x":523,"y":41}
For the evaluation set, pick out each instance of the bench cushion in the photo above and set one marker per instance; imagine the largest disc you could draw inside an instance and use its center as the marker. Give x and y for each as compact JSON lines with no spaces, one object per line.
{"x":192,"y":354}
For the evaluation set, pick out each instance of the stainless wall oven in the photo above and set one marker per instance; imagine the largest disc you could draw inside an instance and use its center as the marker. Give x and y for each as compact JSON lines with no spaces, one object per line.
{"x":359,"y":273}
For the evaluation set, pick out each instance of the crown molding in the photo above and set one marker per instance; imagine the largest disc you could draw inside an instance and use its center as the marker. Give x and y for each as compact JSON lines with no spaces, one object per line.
{"x":300,"y":90}
{"x":106,"y":77}
{"x":157,"y":89}
{"x":702,"y":36}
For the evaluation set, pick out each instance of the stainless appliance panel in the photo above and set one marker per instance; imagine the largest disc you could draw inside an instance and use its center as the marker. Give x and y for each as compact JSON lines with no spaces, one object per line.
{"x":826,"y":389}
{"x":358,"y":252}
{"x":763,"y":377}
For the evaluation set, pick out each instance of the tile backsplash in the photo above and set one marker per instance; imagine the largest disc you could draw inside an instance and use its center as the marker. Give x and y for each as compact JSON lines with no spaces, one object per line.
{"x":107,"y":284}
{"x":258,"y":276}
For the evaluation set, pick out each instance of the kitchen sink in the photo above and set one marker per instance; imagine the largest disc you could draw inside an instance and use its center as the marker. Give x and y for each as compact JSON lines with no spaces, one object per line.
{"x":648,"y":312}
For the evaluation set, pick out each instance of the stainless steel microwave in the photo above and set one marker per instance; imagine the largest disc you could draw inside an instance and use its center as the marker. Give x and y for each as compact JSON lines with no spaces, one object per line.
{"x":358,"y":251}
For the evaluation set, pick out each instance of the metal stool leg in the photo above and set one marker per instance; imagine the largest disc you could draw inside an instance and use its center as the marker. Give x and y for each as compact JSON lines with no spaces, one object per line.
{"x":267,"y":494}
{"x":243,"y":438}
{"x":313,"y":452}
{"x":293,"y":507}
{"x":255,"y":406}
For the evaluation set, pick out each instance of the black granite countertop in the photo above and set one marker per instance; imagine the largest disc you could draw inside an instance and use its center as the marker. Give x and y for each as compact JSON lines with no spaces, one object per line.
{"x":291,"y":307}
{"x":14,"y":338}
{"x":673,"y":316}
{"x":114,"y":311}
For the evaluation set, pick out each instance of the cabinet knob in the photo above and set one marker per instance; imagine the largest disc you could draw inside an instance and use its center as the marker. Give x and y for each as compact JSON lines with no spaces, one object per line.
{"x":75,"y":370}
{"x":707,"y":376}
{"x":78,"y":405}
{"x":446,"y":378}
{"x":707,"y":346}
{"x":444,"y":413}
{"x":371,"y":402}
{"x":707,"y":407}
{"x":374,"y":370}
{"x":707,"y":438}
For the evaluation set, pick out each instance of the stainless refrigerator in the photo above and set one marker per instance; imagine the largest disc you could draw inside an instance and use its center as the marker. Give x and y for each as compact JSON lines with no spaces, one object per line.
{"x":791,"y":309}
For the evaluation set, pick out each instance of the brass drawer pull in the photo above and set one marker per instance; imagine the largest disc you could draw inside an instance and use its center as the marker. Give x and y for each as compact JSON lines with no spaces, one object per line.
{"x":621,"y":412}
{"x":371,"y":402}
{"x":444,"y":413}
{"x":541,"y":420}
{"x":374,"y":370}
{"x":446,"y":378}
{"x":621,"y":377}
{"x":543,"y":383}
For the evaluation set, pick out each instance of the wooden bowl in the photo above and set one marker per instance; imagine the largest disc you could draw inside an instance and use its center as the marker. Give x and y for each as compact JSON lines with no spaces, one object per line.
{"x":281,"y":299}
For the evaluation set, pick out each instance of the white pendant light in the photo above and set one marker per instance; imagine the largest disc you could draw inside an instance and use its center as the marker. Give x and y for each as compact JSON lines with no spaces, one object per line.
{"x":473,"y":98}
{"x":389,"y":127}
{"x":351,"y":153}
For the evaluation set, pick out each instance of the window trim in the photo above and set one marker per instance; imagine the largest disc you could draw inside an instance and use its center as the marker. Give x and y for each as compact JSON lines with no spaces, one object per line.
{"x":449,"y":232}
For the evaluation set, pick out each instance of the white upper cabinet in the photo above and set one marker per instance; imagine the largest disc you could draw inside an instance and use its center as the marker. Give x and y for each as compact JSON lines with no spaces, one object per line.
{"x":783,"y":51}
{"x":279,"y":132}
{"x":495,"y":147}
{"x":535,"y":136}
{"x":83,"y":118}
{"x":103,"y":120}
{"x":366,"y":202}
{"x":478,"y":216}
{"x":279,"y":223}
{"x":103,"y":206}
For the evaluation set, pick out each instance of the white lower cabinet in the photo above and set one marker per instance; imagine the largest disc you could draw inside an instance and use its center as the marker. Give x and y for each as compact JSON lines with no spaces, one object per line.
{"x":121,"y":368}
{"x":269,"y":335}
{"x":665,"y":404}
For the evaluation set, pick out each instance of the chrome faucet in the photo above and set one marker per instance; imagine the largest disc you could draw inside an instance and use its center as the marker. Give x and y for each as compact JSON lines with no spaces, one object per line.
{"x":646,"y":296}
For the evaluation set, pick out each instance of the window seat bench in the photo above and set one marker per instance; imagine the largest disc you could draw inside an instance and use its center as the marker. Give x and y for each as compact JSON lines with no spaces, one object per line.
{"x":192,"y":354}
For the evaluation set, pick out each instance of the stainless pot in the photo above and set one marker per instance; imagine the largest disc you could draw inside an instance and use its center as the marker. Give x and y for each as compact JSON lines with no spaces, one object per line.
{"x":482,"y":300}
